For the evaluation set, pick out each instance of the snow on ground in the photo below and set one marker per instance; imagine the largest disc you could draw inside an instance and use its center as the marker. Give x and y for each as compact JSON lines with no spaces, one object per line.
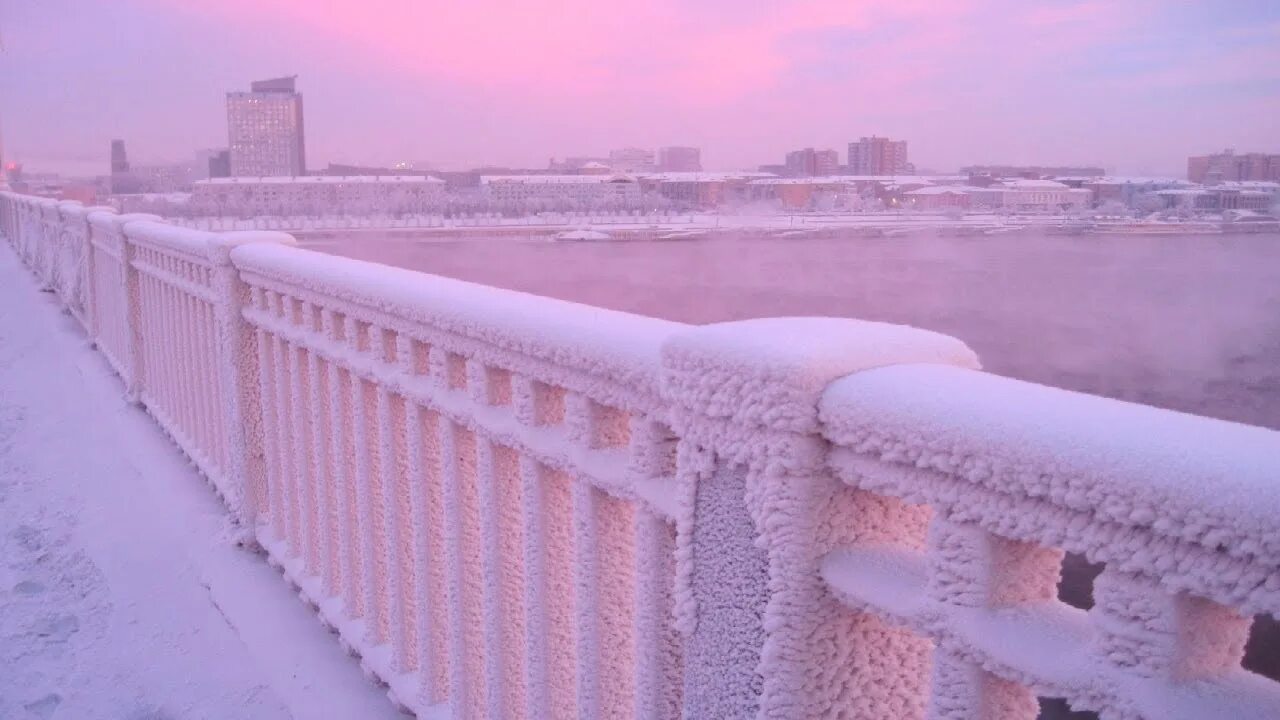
{"x":122,"y":594}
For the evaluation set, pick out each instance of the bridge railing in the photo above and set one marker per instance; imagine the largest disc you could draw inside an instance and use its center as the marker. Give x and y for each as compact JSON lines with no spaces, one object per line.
{"x":472,"y":484}
{"x":515,"y":507}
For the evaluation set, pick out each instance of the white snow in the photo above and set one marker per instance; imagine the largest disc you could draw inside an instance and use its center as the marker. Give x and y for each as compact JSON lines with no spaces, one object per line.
{"x":322,"y":180}
{"x":577,"y":339}
{"x":122,"y":593}
{"x":769,"y":372}
{"x":583,"y":235}
{"x":1196,"y":479}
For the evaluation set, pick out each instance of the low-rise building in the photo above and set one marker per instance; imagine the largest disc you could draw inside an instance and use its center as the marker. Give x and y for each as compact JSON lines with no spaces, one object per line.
{"x":701,"y":189}
{"x":1127,"y":190}
{"x":561,"y":191}
{"x":1034,"y":172}
{"x":1031,"y":196}
{"x":939,"y":197}
{"x":318,"y":195}
{"x":1255,"y":195}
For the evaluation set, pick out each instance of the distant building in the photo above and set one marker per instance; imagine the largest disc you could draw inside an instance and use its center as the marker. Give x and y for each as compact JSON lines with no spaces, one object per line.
{"x":800,"y":193}
{"x":679,"y":159}
{"x":939,"y":197}
{"x":13,"y":173}
{"x":1227,"y":166}
{"x":826,"y":162}
{"x":809,"y":162}
{"x":200,"y":163}
{"x":631,"y":160}
{"x":1031,"y":196}
{"x":1032,"y":172}
{"x":1259,"y":196}
{"x":343,"y":169}
{"x":317,"y":195}
{"x":575,"y":164}
{"x":220,"y":164}
{"x":164,"y":179}
{"x":700,"y":189}
{"x":571,"y":192}
{"x":123,"y":180}
{"x":119,"y":158}
{"x":265,"y":130}
{"x":162,"y":204}
{"x":878,"y":156}
{"x":1127,"y":190}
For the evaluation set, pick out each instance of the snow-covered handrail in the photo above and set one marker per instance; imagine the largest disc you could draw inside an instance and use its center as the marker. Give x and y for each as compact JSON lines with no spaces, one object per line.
{"x":513,"y":506}
{"x":1181,"y":510}
{"x":619,"y":351}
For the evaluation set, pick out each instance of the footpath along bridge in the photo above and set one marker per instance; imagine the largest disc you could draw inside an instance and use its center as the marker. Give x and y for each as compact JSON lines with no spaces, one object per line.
{"x":510,"y":506}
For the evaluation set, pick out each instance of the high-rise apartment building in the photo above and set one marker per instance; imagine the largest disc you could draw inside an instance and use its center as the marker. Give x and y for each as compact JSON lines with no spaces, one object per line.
{"x":631,"y":160}
{"x":679,"y":159}
{"x":826,"y":162}
{"x":1228,"y":166}
{"x":264,"y":130}
{"x":878,"y":156}
{"x":810,"y":162}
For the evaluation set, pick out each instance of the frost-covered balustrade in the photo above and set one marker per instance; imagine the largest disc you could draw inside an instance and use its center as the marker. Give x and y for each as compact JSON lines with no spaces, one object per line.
{"x":992,"y":479}
{"x":515,"y":507}
{"x":472,"y":488}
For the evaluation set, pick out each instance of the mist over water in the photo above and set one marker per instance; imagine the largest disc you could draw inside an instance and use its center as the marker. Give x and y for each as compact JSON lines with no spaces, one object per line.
{"x":1188,"y":322}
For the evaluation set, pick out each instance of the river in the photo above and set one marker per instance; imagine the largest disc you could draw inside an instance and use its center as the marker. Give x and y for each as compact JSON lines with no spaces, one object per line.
{"x":1188,"y":322}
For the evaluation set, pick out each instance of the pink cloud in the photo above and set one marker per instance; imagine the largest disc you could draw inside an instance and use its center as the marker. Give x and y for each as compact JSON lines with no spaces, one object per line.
{"x":576,"y":48}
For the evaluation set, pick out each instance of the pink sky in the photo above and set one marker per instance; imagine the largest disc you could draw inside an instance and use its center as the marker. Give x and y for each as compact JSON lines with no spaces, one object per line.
{"x":1134,"y":86}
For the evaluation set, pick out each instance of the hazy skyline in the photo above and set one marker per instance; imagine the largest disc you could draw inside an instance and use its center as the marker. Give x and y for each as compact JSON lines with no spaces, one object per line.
{"x":1133,"y":86}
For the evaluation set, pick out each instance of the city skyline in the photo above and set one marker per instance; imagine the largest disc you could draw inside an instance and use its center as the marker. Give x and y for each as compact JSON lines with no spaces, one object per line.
{"x":1136,"y":102}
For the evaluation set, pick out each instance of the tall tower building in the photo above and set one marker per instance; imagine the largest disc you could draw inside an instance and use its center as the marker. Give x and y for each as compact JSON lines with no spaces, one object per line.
{"x":123,"y":179}
{"x":264,"y":129}
{"x":119,"y":158}
{"x":878,"y":156}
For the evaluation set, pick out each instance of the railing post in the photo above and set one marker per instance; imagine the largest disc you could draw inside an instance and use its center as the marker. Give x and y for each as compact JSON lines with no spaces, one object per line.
{"x":759,"y":510}
{"x":135,"y":372}
{"x":238,"y":378}
{"x":969,"y":567}
{"x":91,"y":315}
{"x":86,"y":269}
{"x":6,"y":215}
{"x":1147,"y":631}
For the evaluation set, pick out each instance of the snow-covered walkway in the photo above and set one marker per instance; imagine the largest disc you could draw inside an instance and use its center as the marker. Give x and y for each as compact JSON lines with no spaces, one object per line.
{"x":122,"y":596}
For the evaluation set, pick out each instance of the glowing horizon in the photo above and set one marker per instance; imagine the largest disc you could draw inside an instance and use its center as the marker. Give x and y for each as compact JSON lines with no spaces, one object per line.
{"x":1135,"y":88}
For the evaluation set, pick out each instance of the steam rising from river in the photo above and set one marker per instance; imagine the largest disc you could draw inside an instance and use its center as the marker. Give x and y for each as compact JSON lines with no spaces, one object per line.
{"x":1186,"y":322}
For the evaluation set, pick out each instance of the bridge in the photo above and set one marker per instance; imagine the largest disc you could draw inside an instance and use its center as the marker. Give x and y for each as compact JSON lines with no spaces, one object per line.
{"x":509,"y":506}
